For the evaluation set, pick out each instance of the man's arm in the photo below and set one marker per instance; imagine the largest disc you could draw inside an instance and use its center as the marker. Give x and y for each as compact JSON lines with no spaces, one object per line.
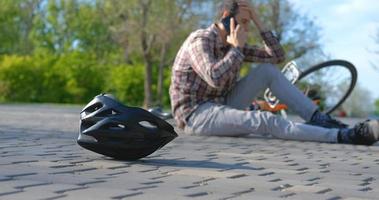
{"x":215,"y":72}
{"x":272,"y":52}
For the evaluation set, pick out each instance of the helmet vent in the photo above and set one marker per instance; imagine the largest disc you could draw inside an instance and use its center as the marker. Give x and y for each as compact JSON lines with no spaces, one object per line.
{"x":121,"y":125}
{"x":107,"y":113}
{"x":94,"y":107}
{"x":148,"y":125}
{"x":114,"y":126}
{"x":87,"y":124}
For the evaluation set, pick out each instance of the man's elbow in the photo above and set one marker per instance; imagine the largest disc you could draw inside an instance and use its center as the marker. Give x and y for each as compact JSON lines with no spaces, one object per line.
{"x":280,"y":58}
{"x":215,"y":82}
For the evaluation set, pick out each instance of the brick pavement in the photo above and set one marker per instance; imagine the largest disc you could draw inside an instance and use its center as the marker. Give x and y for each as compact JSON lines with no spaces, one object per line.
{"x":41,"y":160}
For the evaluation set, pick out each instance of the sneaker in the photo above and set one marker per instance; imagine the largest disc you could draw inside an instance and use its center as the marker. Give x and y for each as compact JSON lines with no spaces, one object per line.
{"x":365,"y":133}
{"x":326,"y":121}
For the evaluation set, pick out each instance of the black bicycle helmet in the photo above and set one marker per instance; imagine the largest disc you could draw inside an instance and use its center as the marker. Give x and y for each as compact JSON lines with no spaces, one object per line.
{"x":109,"y":128}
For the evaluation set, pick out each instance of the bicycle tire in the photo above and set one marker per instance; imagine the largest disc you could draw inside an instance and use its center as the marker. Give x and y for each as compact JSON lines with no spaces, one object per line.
{"x":343,"y":63}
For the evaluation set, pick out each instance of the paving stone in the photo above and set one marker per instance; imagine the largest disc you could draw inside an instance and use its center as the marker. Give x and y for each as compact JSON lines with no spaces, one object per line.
{"x":40,"y":160}
{"x":6,"y":190}
{"x":30,"y":195}
{"x":99,"y":193}
{"x":206,"y":173}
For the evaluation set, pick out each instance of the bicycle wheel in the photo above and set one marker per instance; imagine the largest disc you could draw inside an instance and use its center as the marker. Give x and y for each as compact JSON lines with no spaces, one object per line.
{"x":329,"y":83}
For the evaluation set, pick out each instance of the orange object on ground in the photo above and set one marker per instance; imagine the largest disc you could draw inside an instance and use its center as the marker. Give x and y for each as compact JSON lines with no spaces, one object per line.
{"x":266,"y":107}
{"x":281,"y":106}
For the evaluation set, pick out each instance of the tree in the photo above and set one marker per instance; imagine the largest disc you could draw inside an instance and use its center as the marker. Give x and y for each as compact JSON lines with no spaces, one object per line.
{"x":377,"y":107}
{"x":51,"y":31}
{"x":176,"y":24}
{"x":298,"y":34}
{"x":360,"y":103}
{"x":153,"y":30}
{"x":376,"y":67}
{"x":376,"y":39}
{"x":16,"y":20}
{"x":73,"y":25}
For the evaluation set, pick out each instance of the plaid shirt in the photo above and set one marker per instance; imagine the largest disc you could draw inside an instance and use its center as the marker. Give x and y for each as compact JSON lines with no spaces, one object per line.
{"x":206,"y":70}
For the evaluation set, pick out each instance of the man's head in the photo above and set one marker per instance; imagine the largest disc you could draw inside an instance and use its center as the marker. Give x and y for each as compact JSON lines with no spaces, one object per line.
{"x":228,"y":8}
{"x":240,"y":13}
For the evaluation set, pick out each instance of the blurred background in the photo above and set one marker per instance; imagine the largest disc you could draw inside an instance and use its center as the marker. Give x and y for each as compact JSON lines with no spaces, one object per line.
{"x":68,"y":51}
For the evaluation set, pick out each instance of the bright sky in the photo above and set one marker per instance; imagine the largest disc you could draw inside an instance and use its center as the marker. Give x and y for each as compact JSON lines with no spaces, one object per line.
{"x":348,"y":30}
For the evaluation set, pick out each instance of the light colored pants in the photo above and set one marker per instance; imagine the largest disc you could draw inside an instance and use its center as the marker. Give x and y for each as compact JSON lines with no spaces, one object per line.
{"x":231,"y":119}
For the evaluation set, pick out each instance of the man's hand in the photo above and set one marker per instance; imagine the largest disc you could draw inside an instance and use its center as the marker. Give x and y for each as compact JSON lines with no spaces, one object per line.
{"x":256,"y":20}
{"x":238,"y":36}
{"x":244,"y":4}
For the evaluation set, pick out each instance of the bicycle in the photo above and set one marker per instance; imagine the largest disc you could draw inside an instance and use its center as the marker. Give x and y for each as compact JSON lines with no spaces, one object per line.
{"x":323,"y":88}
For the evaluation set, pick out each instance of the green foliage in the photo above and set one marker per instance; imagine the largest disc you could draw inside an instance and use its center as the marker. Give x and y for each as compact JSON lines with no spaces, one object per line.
{"x":377,"y":107}
{"x":47,"y":78}
{"x":16,"y":20}
{"x":126,"y":82}
{"x":65,"y":26}
{"x":67,"y":51}
{"x":71,"y":78}
{"x":20,"y":79}
{"x":83,"y":77}
{"x":166,"y":87}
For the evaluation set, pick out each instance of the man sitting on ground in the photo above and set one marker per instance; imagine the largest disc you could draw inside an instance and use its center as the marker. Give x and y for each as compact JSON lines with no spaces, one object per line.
{"x":207,"y":98}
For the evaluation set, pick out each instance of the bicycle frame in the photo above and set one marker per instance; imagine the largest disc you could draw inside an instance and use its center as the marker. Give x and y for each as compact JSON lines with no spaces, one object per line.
{"x":292,"y":73}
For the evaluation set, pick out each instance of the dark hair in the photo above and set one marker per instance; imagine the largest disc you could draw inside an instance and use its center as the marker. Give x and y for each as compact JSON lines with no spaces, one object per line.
{"x":231,"y":6}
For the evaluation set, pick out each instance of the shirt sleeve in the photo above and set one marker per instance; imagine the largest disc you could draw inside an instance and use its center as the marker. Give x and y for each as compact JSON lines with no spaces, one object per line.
{"x":216,"y":72}
{"x":272,"y":52}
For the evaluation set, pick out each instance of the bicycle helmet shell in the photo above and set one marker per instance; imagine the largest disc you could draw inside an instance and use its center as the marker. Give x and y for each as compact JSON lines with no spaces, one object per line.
{"x":112,"y":129}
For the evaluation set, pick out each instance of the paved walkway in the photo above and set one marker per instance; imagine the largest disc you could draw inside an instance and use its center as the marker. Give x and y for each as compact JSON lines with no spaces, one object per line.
{"x":41,"y":160}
